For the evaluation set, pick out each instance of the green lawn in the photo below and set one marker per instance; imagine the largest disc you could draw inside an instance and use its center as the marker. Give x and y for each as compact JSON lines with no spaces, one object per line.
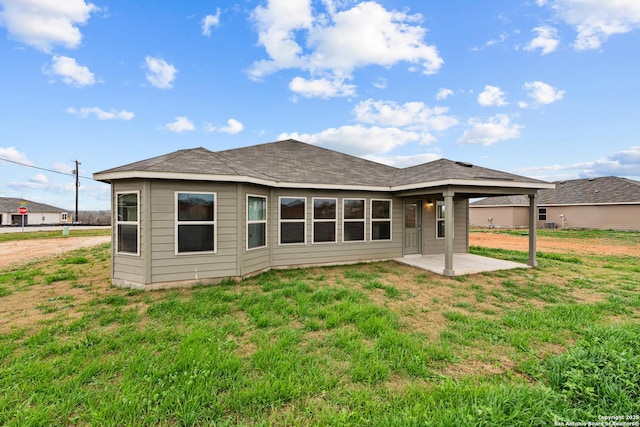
{"x":374,"y":344}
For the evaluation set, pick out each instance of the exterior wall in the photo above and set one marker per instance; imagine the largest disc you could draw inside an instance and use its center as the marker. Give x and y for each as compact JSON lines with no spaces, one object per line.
{"x":603,"y":217}
{"x":432,"y":245}
{"x":128,"y":270}
{"x":339,"y":252}
{"x":503,"y":216}
{"x":165,"y":265}
{"x":34,"y":218}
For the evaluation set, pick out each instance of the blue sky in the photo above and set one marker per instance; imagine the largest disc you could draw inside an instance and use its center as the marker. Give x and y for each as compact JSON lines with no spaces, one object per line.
{"x":543,"y":88}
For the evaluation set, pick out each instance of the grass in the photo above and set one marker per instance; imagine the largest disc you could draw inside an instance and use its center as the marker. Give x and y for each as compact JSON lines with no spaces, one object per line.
{"x":371,"y":344}
{"x":34,"y":235}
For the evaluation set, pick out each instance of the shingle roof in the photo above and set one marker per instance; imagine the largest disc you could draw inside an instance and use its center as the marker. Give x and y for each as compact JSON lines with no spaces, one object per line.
{"x":590,"y":191}
{"x":11,"y":205}
{"x":291,"y":161}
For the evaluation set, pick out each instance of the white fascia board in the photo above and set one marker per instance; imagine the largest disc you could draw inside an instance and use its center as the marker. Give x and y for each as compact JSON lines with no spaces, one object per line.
{"x":110,"y":176}
{"x":474,"y":183}
{"x":554,"y":205}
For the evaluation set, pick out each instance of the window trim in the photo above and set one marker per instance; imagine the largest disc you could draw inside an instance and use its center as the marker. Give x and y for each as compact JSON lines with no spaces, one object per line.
{"x":363,"y":220}
{"x":136,"y":223}
{"x":546,"y":214}
{"x":265,"y":222}
{"x":443,"y":220}
{"x":314,"y":221}
{"x":280,"y":220}
{"x":372,"y":220}
{"x":178,"y":223}
{"x":64,"y":216}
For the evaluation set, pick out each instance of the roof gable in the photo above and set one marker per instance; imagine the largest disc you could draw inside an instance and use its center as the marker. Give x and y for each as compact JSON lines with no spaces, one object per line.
{"x":11,"y":204}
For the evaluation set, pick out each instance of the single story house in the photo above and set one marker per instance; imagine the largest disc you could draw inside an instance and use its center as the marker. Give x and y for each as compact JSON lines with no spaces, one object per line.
{"x":38,"y":213}
{"x":197,"y":216}
{"x":606,"y":203}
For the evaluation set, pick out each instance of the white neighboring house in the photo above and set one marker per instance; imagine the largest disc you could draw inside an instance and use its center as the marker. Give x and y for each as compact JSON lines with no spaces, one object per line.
{"x":38,"y":213}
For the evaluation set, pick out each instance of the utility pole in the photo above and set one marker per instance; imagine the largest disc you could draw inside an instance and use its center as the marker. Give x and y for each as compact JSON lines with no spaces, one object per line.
{"x":77,"y":173}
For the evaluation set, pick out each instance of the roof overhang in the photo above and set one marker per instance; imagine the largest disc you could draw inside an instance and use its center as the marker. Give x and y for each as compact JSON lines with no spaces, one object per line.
{"x":469,"y":184}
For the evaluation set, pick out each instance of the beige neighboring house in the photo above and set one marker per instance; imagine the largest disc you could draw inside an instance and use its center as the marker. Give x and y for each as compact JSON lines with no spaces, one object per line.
{"x":606,"y":203}
{"x":197,"y":216}
{"x":38,"y":213}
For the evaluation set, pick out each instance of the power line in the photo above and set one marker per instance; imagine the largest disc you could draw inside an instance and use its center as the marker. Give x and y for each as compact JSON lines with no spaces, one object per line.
{"x":45,"y":169}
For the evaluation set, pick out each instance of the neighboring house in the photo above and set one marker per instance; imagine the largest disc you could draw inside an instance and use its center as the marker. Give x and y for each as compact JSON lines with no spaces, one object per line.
{"x":607,"y":203}
{"x":197,"y":216}
{"x":38,"y":213}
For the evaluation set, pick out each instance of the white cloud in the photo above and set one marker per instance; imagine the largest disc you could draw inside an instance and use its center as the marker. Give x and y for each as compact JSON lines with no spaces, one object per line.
{"x":44,"y":24}
{"x":358,"y":140}
{"x":63,"y":168}
{"x":501,"y":39}
{"x":39,"y":179}
{"x":160,"y":73}
{"x":101,"y":114}
{"x":622,"y":163}
{"x":543,"y":93}
{"x":497,"y":128}
{"x":210,"y":21}
{"x":233,"y":127}
{"x":71,"y":72}
{"x":596,"y":20}
{"x":337,"y":42}
{"x":492,"y":96}
{"x":12,"y":154}
{"x":443,"y":93}
{"x":411,"y":115}
{"x":547,"y":40}
{"x":380,"y":83}
{"x":323,"y":88}
{"x":180,"y":124}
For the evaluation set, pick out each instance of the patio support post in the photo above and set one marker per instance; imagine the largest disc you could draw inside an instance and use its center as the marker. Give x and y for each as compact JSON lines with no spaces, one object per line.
{"x":533,"y":207}
{"x":448,"y":233}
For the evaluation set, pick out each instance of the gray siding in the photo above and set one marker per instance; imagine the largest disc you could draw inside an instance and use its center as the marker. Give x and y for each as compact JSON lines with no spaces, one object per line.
{"x":339,"y":252}
{"x":166,"y":266}
{"x":128,"y":269}
{"x":258,"y":259}
{"x":430,"y":244}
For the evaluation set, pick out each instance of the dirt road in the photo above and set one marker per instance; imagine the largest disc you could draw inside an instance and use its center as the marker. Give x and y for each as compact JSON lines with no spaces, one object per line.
{"x":552,"y":244}
{"x":22,"y":251}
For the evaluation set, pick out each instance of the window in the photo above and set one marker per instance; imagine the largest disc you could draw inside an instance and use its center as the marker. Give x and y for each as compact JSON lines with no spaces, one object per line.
{"x":542,"y":214}
{"x":440,"y":220}
{"x":353,"y":217}
{"x":195,"y":222}
{"x":293,"y":220}
{"x":380,"y":219}
{"x":324,"y":220}
{"x":256,"y":222}
{"x":63,"y":216}
{"x":127,"y":223}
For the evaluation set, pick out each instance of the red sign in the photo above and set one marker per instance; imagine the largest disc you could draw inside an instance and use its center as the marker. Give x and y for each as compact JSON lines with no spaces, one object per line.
{"x":22,"y":210}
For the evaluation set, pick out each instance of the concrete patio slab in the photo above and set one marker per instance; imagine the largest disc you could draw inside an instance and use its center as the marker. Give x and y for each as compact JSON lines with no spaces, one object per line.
{"x":462,"y":263}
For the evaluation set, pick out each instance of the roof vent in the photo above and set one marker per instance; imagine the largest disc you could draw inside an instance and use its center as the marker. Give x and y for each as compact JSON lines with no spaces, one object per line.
{"x":465,"y":164}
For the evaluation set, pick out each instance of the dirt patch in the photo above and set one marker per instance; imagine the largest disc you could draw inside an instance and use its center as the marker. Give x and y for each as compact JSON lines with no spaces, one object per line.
{"x":24,"y":251}
{"x":551,"y":244}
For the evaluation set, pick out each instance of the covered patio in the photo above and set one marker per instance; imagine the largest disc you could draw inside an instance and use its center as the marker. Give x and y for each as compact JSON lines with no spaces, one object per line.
{"x":465,"y":263}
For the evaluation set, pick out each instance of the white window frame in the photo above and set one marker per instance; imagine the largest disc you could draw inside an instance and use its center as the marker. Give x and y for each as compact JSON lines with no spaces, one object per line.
{"x":214,"y":223}
{"x":136,"y":223}
{"x":363,"y":220}
{"x":266,"y":215}
{"x":281,"y":221}
{"x":546,"y":214}
{"x":315,"y":220}
{"x":443,"y":220}
{"x":372,"y":220}
{"x":64,"y":216}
